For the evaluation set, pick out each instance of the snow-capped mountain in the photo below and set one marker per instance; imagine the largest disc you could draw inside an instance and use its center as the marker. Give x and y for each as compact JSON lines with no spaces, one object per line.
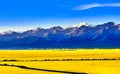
{"x":81,"y":24}
{"x":105,"y":35}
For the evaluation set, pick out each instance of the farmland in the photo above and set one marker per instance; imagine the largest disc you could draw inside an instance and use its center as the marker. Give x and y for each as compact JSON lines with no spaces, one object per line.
{"x":60,"y":61}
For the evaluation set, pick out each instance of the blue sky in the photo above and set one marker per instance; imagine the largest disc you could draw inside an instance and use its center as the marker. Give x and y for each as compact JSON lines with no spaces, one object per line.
{"x":21,"y":15}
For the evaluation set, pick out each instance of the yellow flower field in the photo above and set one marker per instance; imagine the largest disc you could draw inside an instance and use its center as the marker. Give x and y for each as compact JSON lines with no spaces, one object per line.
{"x":94,"y":61}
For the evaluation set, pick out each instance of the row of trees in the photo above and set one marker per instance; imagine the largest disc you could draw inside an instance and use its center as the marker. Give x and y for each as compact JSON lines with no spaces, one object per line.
{"x":94,"y":59}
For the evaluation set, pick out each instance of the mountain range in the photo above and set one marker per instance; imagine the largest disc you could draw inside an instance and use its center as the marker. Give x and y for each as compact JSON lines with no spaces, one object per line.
{"x":105,"y":35}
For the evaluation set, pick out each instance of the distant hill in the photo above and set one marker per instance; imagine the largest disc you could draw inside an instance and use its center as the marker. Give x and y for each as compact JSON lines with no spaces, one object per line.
{"x":106,"y":35}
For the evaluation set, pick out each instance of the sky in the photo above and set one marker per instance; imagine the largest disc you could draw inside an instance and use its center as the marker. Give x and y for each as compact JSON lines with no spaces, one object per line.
{"x":21,"y":15}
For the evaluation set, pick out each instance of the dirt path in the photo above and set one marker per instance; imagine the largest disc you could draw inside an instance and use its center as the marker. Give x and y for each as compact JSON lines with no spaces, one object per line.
{"x":25,"y":67}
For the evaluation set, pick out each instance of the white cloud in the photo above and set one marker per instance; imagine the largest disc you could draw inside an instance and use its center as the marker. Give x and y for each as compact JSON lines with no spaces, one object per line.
{"x":93,"y":5}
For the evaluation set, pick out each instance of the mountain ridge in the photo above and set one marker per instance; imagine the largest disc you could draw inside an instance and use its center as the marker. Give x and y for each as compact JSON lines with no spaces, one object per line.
{"x":105,"y":35}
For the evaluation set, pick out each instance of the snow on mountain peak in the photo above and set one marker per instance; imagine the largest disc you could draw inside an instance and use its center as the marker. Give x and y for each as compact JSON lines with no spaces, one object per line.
{"x":8,"y":32}
{"x":81,"y":24}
